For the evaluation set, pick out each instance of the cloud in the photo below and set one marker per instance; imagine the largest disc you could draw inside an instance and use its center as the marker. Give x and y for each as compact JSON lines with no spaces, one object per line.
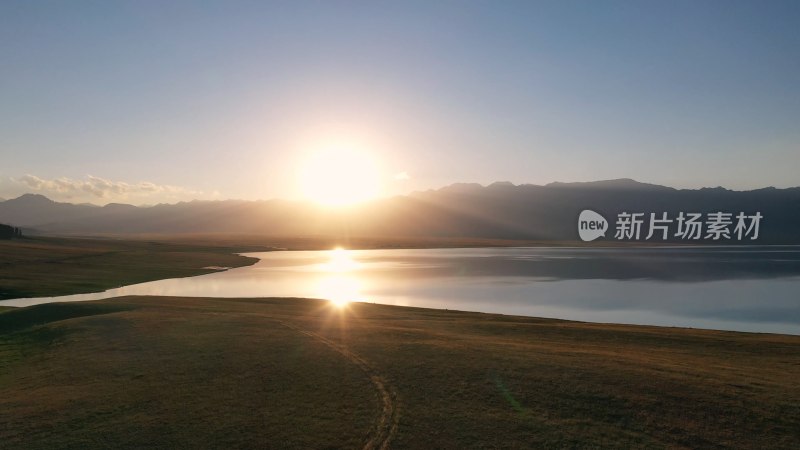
{"x":402,"y":176}
{"x":94,"y":188}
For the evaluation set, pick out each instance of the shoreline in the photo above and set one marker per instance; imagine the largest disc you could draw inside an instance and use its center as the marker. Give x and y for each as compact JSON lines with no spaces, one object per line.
{"x":252,"y":259}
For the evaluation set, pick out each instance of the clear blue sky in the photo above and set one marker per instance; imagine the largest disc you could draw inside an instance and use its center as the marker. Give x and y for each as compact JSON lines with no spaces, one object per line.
{"x":173,"y":100}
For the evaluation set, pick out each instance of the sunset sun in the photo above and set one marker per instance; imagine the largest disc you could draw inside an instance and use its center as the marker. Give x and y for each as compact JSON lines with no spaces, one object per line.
{"x":339,"y":177}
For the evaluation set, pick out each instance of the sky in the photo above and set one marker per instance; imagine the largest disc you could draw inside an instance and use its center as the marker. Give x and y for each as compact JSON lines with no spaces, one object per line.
{"x":150,"y":101}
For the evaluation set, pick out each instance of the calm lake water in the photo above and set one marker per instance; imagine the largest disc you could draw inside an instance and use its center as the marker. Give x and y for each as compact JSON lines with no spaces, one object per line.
{"x":731,"y":288}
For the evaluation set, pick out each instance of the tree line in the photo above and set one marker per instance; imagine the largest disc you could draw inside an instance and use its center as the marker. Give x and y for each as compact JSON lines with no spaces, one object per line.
{"x":9,"y":232}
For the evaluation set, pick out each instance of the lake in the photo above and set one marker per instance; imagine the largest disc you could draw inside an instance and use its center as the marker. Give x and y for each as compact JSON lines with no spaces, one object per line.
{"x":752,"y":288}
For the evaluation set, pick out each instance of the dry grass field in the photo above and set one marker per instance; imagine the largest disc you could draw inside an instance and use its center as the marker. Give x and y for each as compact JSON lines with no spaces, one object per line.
{"x":294,"y":373}
{"x":49,"y":266}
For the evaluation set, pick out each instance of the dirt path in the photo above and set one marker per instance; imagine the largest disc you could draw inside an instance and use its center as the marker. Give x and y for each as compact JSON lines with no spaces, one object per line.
{"x":386,"y":426}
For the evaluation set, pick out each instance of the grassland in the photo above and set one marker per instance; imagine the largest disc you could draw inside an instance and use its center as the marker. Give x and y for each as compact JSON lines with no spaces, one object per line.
{"x":294,"y":373}
{"x":281,"y":373}
{"x":48,"y":266}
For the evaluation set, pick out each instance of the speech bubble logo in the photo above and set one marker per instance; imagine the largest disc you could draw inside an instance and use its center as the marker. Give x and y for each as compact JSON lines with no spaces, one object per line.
{"x":591,"y":225}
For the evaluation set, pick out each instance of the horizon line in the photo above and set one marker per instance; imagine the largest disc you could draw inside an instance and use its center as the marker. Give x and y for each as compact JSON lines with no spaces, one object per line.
{"x":632,"y":183}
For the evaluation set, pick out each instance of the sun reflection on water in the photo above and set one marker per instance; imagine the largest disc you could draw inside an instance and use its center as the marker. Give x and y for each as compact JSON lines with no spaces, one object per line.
{"x":340,"y":260}
{"x":338,"y":283}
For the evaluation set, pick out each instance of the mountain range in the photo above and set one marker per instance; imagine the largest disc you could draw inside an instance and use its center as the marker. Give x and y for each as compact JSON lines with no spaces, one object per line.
{"x":500,"y":210}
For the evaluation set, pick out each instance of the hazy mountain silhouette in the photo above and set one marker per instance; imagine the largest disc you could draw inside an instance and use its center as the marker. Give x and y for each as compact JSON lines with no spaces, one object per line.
{"x":500,"y":210}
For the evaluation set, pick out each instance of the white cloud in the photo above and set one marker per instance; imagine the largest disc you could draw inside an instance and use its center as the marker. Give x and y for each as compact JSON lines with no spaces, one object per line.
{"x":402,"y":176}
{"x":100,"y":190}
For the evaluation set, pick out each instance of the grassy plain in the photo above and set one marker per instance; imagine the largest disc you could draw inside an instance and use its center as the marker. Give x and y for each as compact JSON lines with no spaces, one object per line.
{"x":49,"y":266}
{"x":294,"y":373}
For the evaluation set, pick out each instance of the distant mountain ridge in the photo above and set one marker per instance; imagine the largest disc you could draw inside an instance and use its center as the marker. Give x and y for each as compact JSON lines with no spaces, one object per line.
{"x":500,"y":210}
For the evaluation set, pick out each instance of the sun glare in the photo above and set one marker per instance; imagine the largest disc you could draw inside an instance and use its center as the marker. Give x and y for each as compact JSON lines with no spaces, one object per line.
{"x":340,"y":290}
{"x":339,"y":286}
{"x":340,"y":261}
{"x":340,"y":177}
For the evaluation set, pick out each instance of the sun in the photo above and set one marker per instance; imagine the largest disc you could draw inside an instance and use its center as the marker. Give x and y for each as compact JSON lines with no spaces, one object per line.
{"x":339,"y":177}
